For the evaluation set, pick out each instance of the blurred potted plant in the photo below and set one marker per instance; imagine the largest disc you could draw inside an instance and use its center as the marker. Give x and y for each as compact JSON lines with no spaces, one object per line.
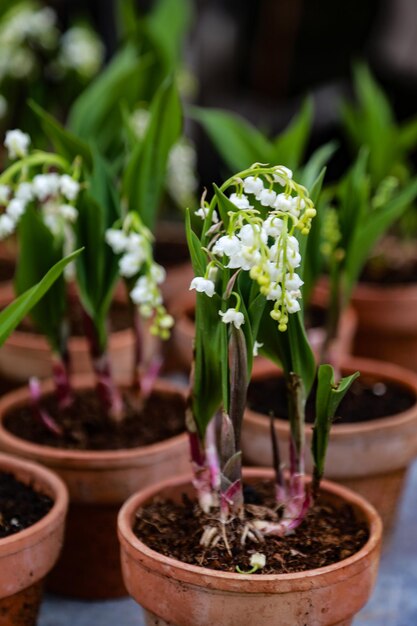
{"x":33,"y":502}
{"x":245,"y":262}
{"x":386,"y":296}
{"x":102,"y":443}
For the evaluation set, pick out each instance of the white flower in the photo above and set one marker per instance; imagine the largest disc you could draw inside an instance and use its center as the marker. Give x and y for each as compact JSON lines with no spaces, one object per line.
{"x":249,"y":234}
{"x":275,"y":271}
{"x":256,"y":347}
{"x":291,"y":303}
{"x":7,"y":225}
{"x":69,"y":187}
{"x":4,"y":194}
{"x":17,"y":143}
{"x":117,"y":240}
{"x":140,"y":121}
{"x":228,"y":244}
{"x":272,"y":226}
{"x":231,"y":316}
{"x":81,"y":51}
{"x":283,"y":203}
{"x":203,"y":285}
{"x":15,"y":209}
{"x":258,"y":560}
{"x":145,"y":293}
{"x":68,"y":212}
{"x":130,"y":263}
{"x":158,"y":273}
{"x":203,"y":212}
{"x":267,"y":197}
{"x":293,"y":283}
{"x":280,"y":172}
{"x":3,"y":106}
{"x":274,"y":292}
{"x":242,"y":201}
{"x":253,"y":185}
{"x":24,"y":192}
{"x":22,"y":63}
{"x":45,"y":185}
{"x":134,"y":241}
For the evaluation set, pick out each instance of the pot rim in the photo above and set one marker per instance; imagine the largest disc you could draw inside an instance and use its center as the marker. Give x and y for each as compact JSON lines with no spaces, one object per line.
{"x":80,"y":458}
{"x":31,"y":535}
{"x":202,"y":576}
{"x":388,"y":371}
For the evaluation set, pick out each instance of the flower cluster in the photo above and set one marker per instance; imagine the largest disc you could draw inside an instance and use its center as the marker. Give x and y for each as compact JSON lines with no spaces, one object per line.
{"x":81,"y":51}
{"x":52,"y":193}
{"x":260,"y":238}
{"x":133,"y":241}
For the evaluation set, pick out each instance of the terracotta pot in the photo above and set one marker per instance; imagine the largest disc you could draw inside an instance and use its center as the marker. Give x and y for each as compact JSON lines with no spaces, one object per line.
{"x":177,"y":594}
{"x":27,"y":556}
{"x":98,"y":483}
{"x":370,"y":457}
{"x":387,"y":323}
{"x":184,"y":329}
{"x":26,"y":354}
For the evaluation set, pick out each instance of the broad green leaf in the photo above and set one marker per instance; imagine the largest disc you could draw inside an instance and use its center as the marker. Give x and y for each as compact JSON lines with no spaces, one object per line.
{"x":12,"y":315}
{"x":329,"y":395}
{"x":238,"y":142}
{"x":310,"y":172}
{"x":407,"y":135}
{"x":146,"y":170}
{"x":290,"y":145}
{"x":167,"y":26}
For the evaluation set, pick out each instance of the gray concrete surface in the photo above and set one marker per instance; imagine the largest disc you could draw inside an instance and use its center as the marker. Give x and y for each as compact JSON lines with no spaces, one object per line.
{"x":394,"y":602}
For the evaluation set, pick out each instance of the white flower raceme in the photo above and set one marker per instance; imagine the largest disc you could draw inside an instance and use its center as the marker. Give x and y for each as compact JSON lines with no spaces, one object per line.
{"x":24,"y":192}
{"x":17,"y":143}
{"x":158,"y":273}
{"x":232,"y":316}
{"x":203,"y":285}
{"x":7,"y":225}
{"x":280,"y":173}
{"x":45,"y":185}
{"x":82,"y":51}
{"x":267,"y":197}
{"x":241,"y":201}
{"x":228,"y":244}
{"x":68,"y":212}
{"x":131,"y":263}
{"x":117,"y":240}
{"x":203,"y":212}
{"x":15,"y":209}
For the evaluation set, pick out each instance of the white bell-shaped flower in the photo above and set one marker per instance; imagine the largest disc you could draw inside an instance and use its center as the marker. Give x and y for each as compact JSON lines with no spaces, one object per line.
{"x":232,"y":316}
{"x":203,"y":285}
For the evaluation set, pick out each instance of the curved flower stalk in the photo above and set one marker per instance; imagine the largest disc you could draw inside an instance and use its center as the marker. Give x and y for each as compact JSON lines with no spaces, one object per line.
{"x":38,"y":194}
{"x":132,"y":242}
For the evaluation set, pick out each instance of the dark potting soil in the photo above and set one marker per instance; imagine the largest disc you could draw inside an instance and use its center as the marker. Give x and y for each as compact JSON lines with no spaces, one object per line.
{"x":169,"y":255}
{"x":393,"y":262}
{"x":327,"y":535}
{"x":366,"y":400}
{"x":20,"y":505}
{"x":120,"y":318}
{"x":86,"y":427}
{"x":7,"y":270}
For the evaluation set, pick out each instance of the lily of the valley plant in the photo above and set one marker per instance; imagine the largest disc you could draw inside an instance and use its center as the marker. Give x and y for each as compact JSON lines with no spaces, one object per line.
{"x":53,"y":204}
{"x":247,"y":260}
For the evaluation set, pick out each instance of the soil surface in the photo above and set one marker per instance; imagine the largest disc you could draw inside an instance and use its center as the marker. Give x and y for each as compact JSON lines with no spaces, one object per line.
{"x":120,"y":318}
{"x":86,"y":427}
{"x":20,"y":505}
{"x":7,"y":270}
{"x":327,"y":535}
{"x":366,"y":400}
{"x":171,"y":254}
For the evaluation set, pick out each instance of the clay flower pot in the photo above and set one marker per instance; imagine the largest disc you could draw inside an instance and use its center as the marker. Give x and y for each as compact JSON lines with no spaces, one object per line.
{"x":177,"y":594}
{"x":27,"y":556}
{"x":370,"y":457}
{"x":387,"y":322}
{"x":98,"y":483}
{"x":26,"y":354}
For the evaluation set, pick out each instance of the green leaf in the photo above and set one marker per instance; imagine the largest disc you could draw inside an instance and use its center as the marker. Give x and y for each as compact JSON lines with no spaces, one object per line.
{"x":312,"y":169}
{"x":407,"y":135}
{"x":146,"y":170}
{"x":12,"y":315}
{"x":65,"y":143}
{"x":329,"y":396}
{"x":34,"y":237}
{"x":369,"y":230}
{"x":239,"y":143}
{"x":167,"y":26}
{"x":290,"y":145}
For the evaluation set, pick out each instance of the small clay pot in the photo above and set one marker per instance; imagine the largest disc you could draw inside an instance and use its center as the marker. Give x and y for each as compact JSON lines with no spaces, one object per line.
{"x":174,"y":593}
{"x":370,"y":456}
{"x":27,"y":556}
{"x":26,"y":354}
{"x":98,"y":483}
{"x":387,"y":323}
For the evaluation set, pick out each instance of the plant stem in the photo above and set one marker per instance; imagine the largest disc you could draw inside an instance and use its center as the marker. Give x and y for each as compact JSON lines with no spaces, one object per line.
{"x":107,"y":390}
